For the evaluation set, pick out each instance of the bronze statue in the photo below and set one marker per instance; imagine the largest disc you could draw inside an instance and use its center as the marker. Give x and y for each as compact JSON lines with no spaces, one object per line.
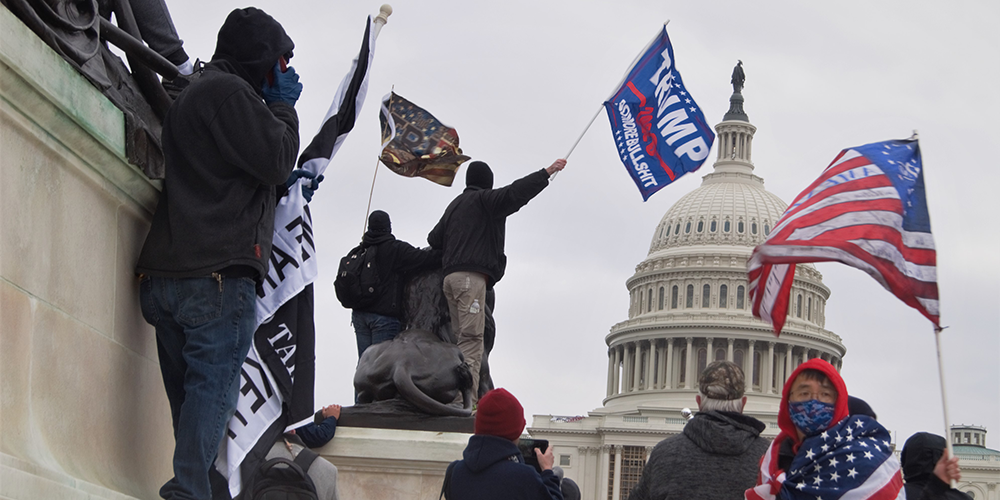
{"x":738,"y":77}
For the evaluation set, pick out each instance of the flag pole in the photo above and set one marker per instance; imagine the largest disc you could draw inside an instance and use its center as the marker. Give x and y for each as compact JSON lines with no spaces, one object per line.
{"x":591,"y":122}
{"x":944,"y":400}
{"x":585,"y":129}
{"x":383,"y":17}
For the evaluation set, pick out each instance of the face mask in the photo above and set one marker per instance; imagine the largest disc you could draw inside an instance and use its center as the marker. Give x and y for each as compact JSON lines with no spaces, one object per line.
{"x":811,"y":417}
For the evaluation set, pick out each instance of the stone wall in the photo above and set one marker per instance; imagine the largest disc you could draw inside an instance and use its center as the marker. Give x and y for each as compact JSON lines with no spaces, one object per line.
{"x":82,"y":408}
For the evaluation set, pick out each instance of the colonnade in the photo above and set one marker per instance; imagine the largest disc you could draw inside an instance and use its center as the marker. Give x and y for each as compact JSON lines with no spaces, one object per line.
{"x":673,"y":363}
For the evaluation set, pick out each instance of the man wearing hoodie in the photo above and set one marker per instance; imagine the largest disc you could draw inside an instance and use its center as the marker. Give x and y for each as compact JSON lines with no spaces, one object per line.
{"x":394,"y":259}
{"x":471,"y":234}
{"x":822,"y":451}
{"x":716,"y":455}
{"x":492,"y":467}
{"x":228,"y":140}
{"x":927,"y":471}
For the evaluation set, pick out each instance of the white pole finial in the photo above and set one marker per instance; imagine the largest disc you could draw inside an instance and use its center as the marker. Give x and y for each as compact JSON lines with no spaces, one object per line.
{"x":383,"y":17}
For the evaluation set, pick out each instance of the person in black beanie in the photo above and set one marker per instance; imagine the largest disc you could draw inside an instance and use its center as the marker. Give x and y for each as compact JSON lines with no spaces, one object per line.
{"x":228,"y":140}
{"x":394,"y":259}
{"x":471,"y":235}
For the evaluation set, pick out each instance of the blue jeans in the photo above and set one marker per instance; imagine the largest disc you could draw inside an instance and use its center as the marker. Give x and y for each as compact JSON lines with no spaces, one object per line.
{"x":373,"y":328}
{"x":204,"y":327}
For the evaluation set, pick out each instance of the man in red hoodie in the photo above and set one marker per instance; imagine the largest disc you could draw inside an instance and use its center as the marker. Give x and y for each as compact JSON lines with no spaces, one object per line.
{"x":822,"y":451}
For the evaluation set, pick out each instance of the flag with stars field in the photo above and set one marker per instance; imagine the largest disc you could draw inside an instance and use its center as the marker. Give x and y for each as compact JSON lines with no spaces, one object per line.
{"x":660,"y":132}
{"x":851,"y":460}
{"x":866,"y":210}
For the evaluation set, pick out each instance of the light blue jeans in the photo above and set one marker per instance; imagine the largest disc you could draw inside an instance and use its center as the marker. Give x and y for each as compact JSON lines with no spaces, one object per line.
{"x":204,"y":327}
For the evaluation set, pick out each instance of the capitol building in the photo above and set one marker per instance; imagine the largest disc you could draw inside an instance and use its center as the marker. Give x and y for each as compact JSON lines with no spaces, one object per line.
{"x":689,"y":305}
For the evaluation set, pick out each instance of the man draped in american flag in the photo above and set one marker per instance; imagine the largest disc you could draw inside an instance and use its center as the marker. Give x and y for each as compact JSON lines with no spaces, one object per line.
{"x":867,"y":210}
{"x":822,"y":453}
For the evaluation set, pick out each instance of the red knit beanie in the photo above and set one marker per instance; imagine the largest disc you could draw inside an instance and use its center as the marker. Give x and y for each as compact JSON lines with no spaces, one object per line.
{"x":500,"y":414}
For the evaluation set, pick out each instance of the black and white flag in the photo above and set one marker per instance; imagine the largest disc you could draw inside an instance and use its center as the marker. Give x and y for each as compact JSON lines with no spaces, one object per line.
{"x":276,"y":387}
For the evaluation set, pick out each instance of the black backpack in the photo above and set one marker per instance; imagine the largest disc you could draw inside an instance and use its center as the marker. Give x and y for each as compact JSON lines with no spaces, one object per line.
{"x":357,"y":283}
{"x":282,"y":479}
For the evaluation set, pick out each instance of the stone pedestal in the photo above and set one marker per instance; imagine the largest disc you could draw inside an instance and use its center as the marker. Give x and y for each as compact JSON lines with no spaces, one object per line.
{"x":377,"y":464}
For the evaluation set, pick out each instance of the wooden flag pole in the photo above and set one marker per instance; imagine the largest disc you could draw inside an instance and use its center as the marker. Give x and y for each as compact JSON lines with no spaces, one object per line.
{"x":944,"y":399}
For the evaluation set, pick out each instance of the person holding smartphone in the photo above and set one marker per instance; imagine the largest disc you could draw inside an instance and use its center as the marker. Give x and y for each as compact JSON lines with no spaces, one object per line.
{"x":493,"y":468}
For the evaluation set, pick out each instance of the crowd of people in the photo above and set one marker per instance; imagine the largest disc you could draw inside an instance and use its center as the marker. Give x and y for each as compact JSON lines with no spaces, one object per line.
{"x":230,"y":141}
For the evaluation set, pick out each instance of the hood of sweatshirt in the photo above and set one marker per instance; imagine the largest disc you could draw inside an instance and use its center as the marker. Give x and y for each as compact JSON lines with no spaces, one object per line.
{"x":252,"y":42}
{"x":484,"y":451}
{"x":839,"y":408}
{"x":920,"y":454}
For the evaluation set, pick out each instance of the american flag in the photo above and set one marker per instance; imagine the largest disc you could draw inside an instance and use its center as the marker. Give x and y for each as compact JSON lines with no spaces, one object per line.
{"x":852,"y":459}
{"x":867,"y":210}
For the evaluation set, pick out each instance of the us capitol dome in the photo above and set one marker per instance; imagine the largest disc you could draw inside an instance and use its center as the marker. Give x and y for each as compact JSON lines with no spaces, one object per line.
{"x":689,"y":305}
{"x":689,"y":299}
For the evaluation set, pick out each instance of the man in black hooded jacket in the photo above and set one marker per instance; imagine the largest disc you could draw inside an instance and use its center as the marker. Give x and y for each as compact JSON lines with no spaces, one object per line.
{"x":228,"y":140}
{"x":471,"y":234}
{"x":926,"y":470}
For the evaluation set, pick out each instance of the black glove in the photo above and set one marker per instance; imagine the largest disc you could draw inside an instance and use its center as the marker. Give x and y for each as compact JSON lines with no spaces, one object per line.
{"x":285,"y":86}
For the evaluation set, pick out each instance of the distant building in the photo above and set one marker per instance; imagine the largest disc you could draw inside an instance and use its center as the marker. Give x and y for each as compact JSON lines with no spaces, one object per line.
{"x":980,"y":465}
{"x":689,"y":305}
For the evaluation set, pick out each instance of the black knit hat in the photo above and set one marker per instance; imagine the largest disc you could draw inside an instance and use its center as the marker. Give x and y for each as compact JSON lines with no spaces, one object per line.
{"x":378,"y":222}
{"x":479,"y":175}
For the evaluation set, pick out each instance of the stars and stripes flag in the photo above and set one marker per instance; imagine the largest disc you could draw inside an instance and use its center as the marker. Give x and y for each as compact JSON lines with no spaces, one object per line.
{"x":867,"y":210}
{"x":277,"y":378}
{"x":852,"y":459}
{"x":660,"y":132}
{"x":416,"y":144}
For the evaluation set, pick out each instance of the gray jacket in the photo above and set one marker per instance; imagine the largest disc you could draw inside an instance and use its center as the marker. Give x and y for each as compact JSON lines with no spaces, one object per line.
{"x":715,"y":457}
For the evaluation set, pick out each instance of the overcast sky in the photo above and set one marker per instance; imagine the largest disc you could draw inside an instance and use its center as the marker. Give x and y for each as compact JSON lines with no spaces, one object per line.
{"x":520,"y":79}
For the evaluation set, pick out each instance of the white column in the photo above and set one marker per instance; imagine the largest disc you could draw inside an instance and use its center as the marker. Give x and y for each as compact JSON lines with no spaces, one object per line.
{"x":611,"y":365}
{"x":729,"y":350}
{"x":688,"y":368}
{"x":618,"y":369}
{"x":709,"y":353}
{"x":636,"y":366}
{"x":668,"y":369}
{"x":789,"y":354}
{"x":748,"y":361}
{"x":626,"y":368}
{"x":649,"y":365}
{"x":605,"y":465}
{"x":616,"y":490}
{"x":770,"y":369}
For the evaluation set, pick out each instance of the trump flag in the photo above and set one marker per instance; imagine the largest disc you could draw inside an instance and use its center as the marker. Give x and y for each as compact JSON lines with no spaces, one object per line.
{"x":660,"y":131}
{"x":866,"y":210}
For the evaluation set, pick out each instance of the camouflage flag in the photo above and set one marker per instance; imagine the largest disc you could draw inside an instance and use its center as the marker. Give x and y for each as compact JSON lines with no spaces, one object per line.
{"x":414,"y":143}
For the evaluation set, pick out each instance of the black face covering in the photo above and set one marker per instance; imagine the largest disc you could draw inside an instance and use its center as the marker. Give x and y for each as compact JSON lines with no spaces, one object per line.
{"x":252,"y":41}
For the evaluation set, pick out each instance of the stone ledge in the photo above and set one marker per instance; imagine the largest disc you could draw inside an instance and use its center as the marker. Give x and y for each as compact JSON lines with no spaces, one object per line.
{"x":48,"y":98}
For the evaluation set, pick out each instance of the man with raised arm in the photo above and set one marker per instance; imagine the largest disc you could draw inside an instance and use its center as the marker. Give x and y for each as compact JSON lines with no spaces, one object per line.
{"x":471,"y":235}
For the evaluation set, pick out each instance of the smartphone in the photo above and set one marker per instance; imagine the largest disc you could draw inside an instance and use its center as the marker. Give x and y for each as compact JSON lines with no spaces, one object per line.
{"x":527,"y":447}
{"x":283,"y":64}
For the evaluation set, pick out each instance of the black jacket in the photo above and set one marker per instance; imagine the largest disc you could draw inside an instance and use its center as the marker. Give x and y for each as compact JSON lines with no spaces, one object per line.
{"x":394,"y":260}
{"x":716,"y":456}
{"x":224,"y":150}
{"x":471,"y":232}
{"x":920,"y":454}
{"x":493,"y":468}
